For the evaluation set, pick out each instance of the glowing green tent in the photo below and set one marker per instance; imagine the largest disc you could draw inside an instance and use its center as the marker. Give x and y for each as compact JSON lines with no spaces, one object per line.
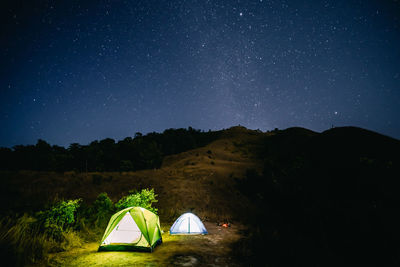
{"x":133,"y":228}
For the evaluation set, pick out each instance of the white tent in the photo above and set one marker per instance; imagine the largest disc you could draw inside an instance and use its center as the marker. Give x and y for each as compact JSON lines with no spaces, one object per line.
{"x":188,"y":223}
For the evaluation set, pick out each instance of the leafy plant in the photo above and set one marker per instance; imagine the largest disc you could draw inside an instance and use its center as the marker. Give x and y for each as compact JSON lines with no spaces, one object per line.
{"x":144,"y":199}
{"x":102,"y":207}
{"x":59,"y":218}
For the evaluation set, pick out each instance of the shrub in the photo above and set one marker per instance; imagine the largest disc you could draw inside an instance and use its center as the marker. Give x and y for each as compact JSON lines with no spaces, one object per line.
{"x":102,"y":208}
{"x":144,"y":199}
{"x":58,"y":219}
{"x":28,"y":239}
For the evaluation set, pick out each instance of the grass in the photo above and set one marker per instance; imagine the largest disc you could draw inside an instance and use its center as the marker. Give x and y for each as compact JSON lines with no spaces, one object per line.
{"x":23,"y":243}
{"x":175,"y":250}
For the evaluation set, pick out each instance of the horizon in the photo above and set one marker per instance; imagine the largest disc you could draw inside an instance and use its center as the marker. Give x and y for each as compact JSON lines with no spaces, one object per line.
{"x":202,"y":130}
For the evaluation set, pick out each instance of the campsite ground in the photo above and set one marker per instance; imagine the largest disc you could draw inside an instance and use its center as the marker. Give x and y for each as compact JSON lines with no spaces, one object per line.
{"x":213,"y":249}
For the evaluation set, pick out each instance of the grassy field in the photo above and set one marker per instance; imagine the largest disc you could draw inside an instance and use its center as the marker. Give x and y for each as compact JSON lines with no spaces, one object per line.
{"x":213,"y":249}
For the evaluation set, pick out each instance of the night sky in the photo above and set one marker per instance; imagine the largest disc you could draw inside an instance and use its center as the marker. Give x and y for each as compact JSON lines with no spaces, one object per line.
{"x":77,"y":71}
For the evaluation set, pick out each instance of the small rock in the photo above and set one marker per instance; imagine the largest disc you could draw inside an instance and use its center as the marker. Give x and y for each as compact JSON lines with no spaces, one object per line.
{"x":185,"y":261}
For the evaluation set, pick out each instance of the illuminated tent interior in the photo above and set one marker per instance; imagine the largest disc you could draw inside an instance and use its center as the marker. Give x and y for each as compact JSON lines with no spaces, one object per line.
{"x":133,"y":228}
{"x":188,"y":223}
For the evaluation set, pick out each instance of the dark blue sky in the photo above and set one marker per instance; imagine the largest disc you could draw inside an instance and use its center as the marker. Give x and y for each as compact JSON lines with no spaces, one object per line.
{"x":76,"y":71}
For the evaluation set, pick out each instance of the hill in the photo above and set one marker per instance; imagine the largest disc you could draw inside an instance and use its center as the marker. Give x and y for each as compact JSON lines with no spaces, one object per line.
{"x":201,"y":179}
{"x":329,"y":198}
{"x":304,"y":197}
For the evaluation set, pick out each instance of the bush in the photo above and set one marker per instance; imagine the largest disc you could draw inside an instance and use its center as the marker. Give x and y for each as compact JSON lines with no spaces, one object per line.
{"x":102,"y":208}
{"x":26,"y":239}
{"x":58,"y":219}
{"x":144,"y":199}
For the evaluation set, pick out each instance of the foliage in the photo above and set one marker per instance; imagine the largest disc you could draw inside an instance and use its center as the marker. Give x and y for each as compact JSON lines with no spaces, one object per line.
{"x":130,"y":154}
{"x":144,"y":199}
{"x":103,"y":203}
{"x":59,"y":218}
{"x":102,"y":207}
{"x":22,"y":241}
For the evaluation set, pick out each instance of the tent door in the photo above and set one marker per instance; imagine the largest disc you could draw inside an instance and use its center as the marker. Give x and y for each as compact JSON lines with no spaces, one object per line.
{"x":126,"y":232}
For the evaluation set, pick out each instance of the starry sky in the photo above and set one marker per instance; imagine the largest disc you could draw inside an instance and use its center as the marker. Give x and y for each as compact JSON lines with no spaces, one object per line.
{"x":77,"y":71}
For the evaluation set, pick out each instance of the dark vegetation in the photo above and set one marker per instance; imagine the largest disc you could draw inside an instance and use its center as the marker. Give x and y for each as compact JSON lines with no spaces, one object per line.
{"x":329,"y":199}
{"x":62,"y":225}
{"x":129,"y":154}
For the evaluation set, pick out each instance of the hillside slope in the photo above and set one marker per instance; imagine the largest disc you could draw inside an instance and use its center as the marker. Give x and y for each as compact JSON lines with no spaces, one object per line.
{"x":329,"y":199}
{"x":202,"y":180}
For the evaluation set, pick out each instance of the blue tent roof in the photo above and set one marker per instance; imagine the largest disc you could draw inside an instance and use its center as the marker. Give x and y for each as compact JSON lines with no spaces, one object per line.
{"x":188,"y":223}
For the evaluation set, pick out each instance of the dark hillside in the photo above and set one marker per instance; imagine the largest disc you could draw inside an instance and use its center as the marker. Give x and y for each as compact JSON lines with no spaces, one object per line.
{"x":357,"y":141}
{"x":332,"y":198}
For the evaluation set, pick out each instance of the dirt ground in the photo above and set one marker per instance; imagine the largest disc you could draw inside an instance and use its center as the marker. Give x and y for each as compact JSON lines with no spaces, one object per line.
{"x":213,"y":249}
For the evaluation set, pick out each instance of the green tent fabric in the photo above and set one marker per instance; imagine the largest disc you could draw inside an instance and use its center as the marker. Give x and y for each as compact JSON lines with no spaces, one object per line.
{"x":133,"y":228}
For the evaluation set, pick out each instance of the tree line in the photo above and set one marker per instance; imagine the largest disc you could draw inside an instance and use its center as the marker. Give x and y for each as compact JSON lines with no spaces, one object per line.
{"x":130,"y":154}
